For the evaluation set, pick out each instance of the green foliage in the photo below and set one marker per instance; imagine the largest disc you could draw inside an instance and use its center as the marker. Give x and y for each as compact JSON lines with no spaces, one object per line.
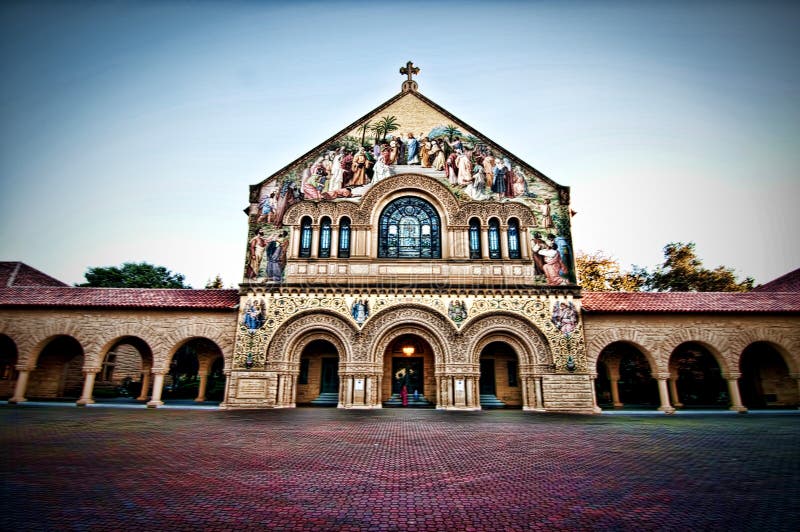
{"x":599,"y":272}
{"x":682,"y":271}
{"x":452,"y":131}
{"x":384,"y":126}
{"x":133,"y":275}
{"x":215,"y":284}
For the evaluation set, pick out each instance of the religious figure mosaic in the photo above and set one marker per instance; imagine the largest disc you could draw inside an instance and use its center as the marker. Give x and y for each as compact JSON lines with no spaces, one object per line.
{"x":396,"y":141}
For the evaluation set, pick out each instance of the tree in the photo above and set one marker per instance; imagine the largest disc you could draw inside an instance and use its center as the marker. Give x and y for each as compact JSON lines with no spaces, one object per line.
{"x":133,"y":275}
{"x":384,"y":126}
{"x":214,"y":284}
{"x":682,"y":271}
{"x":599,"y":272}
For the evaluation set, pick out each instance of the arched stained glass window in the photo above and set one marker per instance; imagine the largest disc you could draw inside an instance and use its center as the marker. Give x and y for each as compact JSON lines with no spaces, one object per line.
{"x":305,"y":237}
{"x":494,"y":239}
{"x":474,"y":238}
{"x":409,"y":229}
{"x":344,"y":239}
{"x":513,"y":239}
{"x":325,"y":238}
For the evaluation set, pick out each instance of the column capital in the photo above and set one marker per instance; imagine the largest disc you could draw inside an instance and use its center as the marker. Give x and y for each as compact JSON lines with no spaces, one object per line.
{"x":159,"y":371}
{"x":92,"y":369}
{"x":23,"y":367}
{"x":731,"y":375}
{"x":662,"y":376}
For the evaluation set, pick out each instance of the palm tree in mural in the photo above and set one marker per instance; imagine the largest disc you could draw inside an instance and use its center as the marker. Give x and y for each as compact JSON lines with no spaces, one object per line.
{"x":384,"y":126}
{"x":364,"y":131}
{"x":451,"y":131}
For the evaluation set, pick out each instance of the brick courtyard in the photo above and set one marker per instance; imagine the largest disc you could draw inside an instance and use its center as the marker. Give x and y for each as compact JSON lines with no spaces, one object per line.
{"x":322,"y":469}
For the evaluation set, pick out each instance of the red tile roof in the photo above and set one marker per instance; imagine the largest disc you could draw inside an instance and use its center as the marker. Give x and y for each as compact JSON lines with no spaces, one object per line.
{"x":760,"y":302}
{"x":789,"y":282}
{"x":160,"y":298}
{"x":20,"y":274}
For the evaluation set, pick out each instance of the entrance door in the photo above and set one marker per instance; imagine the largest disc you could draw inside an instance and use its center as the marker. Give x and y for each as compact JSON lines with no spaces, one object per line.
{"x":330,"y":375}
{"x":408,"y":371}
{"x":487,"y":386}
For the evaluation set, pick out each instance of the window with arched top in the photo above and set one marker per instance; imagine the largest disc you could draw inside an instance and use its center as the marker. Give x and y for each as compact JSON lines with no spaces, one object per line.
{"x":494,"y":239}
{"x":513,"y":239}
{"x":409,"y":228}
{"x":474,"y":238}
{"x":325,"y":238}
{"x":305,"y":237}
{"x":344,"y":238}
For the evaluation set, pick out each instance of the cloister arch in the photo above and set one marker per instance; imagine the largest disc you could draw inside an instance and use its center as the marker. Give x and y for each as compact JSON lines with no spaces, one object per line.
{"x":8,"y":362}
{"x":59,"y":364}
{"x":766,"y":378}
{"x":699,"y":372}
{"x":625,"y":375}
{"x":125,"y":365}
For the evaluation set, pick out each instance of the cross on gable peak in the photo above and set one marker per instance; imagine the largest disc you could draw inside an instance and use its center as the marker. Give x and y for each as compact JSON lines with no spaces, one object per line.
{"x":409,"y":70}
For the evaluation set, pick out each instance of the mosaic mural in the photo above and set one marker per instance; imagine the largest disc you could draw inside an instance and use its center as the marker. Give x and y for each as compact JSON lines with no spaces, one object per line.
{"x":347,"y":167}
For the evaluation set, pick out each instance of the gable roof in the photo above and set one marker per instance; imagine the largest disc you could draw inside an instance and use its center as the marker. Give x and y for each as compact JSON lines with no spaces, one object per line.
{"x":157,"y":298}
{"x":704,"y":302}
{"x":789,"y":282}
{"x":20,"y":274}
{"x":386,"y":104}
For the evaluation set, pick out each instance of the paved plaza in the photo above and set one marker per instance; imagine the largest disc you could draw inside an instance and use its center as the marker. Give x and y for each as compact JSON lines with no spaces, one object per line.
{"x":327,"y":469}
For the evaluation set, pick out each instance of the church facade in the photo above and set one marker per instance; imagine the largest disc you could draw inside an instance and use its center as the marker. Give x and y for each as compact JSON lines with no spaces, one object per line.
{"x":410,"y":261}
{"x":409,"y":255}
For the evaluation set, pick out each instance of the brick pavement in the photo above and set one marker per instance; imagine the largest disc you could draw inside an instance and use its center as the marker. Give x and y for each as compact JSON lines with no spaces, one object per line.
{"x":325,"y":469}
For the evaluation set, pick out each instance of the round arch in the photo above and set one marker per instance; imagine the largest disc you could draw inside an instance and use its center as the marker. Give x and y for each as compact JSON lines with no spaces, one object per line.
{"x":292,"y":336}
{"x":389,"y":324}
{"x":9,"y":356}
{"x":59,"y":364}
{"x":700,"y":372}
{"x":409,"y":227}
{"x":633,"y":336}
{"x":766,"y":377}
{"x":528,"y":341}
{"x":771,"y":337}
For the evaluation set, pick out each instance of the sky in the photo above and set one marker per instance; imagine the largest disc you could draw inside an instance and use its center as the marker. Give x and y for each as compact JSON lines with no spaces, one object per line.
{"x":131,"y":131}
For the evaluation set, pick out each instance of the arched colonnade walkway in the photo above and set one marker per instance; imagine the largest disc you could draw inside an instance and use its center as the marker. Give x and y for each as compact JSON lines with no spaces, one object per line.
{"x":143,"y":356}
{"x":694,"y":367}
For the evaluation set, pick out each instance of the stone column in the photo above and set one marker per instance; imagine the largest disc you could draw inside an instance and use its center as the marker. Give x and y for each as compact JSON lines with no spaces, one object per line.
{"x":314,"y":241}
{"x":593,"y":379}
{"x":663,"y":393}
{"x":201,"y":391}
{"x":524,"y":246}
{"x":294,"y":251}
{"x":334,"y":241}
{"x":227,"y":374}
{"x":539,"y":394}
{"x":733,"y":389}
{"x":796,"y":377}
{"x":524,"y":385}
{"x":673,"y":390}
{"x":613,"y":378}
{"x":504,"y":242}
{"x":88,"y":386}
{"x":145,"y":385}
{"x":22,"y":385}
{"x":484,"y":242}
{"x":158,"y":387}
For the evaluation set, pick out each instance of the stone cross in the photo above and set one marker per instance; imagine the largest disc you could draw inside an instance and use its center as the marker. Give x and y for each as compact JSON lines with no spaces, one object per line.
{"x":409,"y":70}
